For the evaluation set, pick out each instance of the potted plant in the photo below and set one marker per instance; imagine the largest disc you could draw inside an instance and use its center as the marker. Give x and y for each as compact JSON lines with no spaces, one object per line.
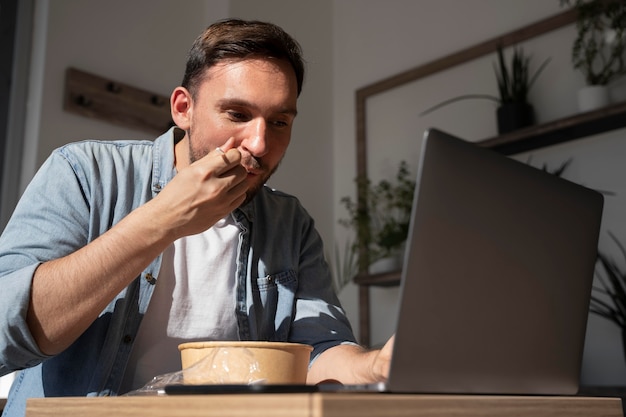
{"x":380,"y":221}
{"x":599,"y":50}
{"x":514,"y":110}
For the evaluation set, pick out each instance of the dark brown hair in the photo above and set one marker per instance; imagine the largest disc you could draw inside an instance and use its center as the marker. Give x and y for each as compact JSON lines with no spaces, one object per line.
{"x":236,"y":39}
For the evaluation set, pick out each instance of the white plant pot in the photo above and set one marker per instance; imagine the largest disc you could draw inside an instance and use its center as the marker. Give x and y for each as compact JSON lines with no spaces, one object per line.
{"x":389,"y":264}
{"x":593,"y":97}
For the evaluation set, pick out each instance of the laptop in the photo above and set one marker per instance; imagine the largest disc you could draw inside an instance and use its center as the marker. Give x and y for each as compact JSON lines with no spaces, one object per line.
{"x":497,"y":276}
{"x":496,"y":282}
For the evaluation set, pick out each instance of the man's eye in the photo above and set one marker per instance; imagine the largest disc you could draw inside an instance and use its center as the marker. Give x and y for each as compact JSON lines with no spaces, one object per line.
{"x":236,"y":115}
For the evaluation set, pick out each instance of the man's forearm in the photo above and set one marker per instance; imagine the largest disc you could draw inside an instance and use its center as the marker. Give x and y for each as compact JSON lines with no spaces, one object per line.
{"x":69,"y":293}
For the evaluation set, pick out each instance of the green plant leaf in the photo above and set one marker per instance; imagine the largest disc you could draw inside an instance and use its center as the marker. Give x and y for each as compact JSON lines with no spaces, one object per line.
{"x":612,"y":288}
{"x":513,"y":84}
{"x":459,"y":98}
{"x":599,"y":60}
{"x":381,"y":217}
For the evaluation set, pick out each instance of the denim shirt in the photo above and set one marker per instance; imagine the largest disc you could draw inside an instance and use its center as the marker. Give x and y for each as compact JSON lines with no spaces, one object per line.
{"x":284,"y":290}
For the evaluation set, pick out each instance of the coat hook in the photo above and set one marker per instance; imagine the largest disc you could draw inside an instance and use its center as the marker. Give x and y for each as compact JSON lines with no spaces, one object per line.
{"x":83,"y":101}
{"x":113,"y":87}
{"x":157,"y":101}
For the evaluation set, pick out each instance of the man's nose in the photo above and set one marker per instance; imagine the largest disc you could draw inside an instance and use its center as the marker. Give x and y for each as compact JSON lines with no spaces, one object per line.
{"x":255,"y":141}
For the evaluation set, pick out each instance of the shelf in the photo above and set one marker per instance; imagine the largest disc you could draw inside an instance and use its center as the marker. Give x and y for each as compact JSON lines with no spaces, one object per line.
{"x":385,"y":279}
{"x":559,"y":131}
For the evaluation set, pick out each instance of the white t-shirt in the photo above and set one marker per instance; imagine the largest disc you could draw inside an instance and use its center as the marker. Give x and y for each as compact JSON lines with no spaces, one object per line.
{"x":194,"y":299}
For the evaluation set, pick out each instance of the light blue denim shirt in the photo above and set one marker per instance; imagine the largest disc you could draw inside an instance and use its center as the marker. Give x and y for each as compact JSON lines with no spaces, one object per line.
{"x":284,"y":290}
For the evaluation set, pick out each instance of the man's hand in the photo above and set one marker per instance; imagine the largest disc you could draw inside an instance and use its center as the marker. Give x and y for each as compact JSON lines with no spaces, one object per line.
{"x":203,"y":192}
{"x":382,"y":361}
{"x":349,"y":364}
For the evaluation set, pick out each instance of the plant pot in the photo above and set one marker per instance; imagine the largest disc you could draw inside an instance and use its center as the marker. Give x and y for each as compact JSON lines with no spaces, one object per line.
{"x":593,"y":97}
{"x":513,"y":116}
{"x":388,"y":264}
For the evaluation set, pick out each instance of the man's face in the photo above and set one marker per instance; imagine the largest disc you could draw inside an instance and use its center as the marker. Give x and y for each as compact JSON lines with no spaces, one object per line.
{"x":253,"y":101}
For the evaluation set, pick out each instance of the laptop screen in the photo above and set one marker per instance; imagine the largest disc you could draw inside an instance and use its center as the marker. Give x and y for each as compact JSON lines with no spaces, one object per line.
{"x":497,"y":276}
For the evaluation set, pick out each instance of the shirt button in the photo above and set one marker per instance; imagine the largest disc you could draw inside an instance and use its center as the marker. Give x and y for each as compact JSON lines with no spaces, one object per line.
{"x":151,"y":279}
{"x":127,"y":339}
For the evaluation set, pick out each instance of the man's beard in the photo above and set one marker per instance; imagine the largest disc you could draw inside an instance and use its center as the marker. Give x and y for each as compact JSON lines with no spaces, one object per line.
{"x":249,"y":163}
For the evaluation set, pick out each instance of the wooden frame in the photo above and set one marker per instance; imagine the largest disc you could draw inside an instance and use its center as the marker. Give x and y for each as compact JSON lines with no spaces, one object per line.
{"x":430,"y":68}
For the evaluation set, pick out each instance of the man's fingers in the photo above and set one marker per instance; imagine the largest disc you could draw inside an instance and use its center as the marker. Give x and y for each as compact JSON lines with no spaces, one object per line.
{"x":222,"y":150}
{"x":228,"y":145}
{"x":228,"y":154}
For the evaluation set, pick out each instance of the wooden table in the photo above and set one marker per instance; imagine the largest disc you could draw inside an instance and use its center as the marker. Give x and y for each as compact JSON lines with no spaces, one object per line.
{"x":324,"y":405}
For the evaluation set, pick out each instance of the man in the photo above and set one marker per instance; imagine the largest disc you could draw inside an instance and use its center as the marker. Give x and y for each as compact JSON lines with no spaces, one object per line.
{"x":119,"y":251}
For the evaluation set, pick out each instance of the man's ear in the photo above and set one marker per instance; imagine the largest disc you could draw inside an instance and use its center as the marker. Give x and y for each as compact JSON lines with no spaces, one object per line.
{"x":181,"y":107}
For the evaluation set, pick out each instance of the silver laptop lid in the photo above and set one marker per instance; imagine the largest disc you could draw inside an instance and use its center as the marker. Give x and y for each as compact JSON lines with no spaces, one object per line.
{"x":497,"y":276}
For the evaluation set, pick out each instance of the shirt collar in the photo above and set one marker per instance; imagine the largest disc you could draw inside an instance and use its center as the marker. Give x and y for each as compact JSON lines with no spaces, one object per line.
{"x":163,"y":169}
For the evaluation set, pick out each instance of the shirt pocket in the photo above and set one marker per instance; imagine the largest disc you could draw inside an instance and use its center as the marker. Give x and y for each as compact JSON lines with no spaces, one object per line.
{"x":274,"y":304}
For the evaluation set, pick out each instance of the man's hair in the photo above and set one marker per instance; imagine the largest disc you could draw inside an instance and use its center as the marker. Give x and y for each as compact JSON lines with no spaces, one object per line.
{"x":236,"y":39}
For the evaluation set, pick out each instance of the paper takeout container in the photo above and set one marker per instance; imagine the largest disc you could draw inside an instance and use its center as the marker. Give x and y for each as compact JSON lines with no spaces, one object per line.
{"x":244,"y":362}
